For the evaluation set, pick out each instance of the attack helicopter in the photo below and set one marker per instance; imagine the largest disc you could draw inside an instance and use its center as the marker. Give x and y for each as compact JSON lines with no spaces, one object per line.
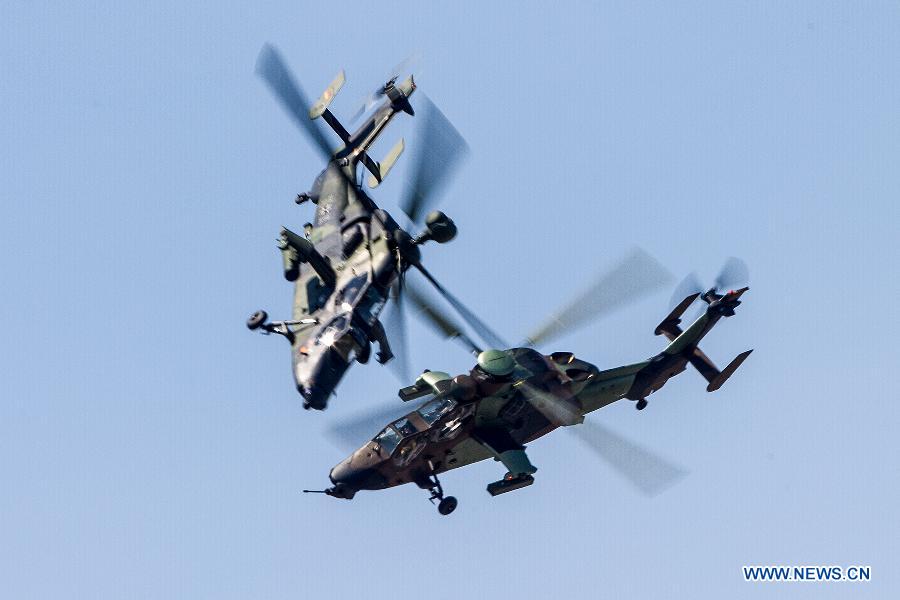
{"x":352,"y":258}
{"x":514,"y":396}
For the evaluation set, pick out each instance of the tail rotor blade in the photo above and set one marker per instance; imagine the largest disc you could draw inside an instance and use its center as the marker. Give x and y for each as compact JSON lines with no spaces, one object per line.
{"x":637,"y":275}
{"x":408,"y":65}
{"x":734,"y":274}
{"x":689,"y":285}
{"x":271,"y":67}
{"x":440,"y":149}
{"x":643,"y":469}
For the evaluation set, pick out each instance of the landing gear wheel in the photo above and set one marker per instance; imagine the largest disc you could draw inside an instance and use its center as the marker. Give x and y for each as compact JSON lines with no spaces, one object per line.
{"x":257,"y":320}
{"x":641,"y":404}
{"x":447,"y":505}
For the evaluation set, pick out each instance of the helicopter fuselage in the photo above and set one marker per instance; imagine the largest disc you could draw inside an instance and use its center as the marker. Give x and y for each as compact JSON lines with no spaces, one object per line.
{"x":349,"y":257}
{"x":342,"y":319}
{"x":478,"y":416}
{"x":352,"y":249}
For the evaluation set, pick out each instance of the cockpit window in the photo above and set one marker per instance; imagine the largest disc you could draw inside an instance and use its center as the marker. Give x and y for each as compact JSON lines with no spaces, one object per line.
{"x":405,"y":427}
{"x":435,"y":409}
{"x":330,"y":333}
{"x":388,"y":439}
{"x":354,"y":290}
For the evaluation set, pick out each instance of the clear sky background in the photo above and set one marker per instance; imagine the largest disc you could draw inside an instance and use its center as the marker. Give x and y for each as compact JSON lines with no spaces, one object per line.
{"x":152,"y":447}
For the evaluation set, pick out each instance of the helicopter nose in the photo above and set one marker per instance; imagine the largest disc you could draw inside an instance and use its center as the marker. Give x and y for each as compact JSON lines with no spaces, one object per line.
{"x":345,"y":474}
{"x":339,"y":474}
{"x":314,"y":397}
{"x":316,"y":378}
{"x":317,"y":375}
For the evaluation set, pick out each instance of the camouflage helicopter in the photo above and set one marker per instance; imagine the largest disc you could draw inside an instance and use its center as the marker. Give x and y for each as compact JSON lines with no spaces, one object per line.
{"x":517,"y":395}
{"x":356,"y":252}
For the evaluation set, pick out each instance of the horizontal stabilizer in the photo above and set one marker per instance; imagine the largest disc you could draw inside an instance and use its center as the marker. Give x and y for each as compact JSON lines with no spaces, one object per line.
{"x":327,"y":96}
{"x":722,"y":377}
{"x":382,"y":169}
{"x":704,"y":366}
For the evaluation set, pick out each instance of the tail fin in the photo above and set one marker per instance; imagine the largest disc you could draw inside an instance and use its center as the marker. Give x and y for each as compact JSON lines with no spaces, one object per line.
{"x":721,"y":377}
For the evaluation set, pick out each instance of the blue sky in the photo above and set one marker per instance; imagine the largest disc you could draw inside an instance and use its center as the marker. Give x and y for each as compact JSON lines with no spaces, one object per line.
{"x":152,"y":447}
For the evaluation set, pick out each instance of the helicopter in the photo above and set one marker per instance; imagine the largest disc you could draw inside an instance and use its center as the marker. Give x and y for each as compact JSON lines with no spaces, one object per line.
{"x":516,"y":395}
{"x":352,"y":258}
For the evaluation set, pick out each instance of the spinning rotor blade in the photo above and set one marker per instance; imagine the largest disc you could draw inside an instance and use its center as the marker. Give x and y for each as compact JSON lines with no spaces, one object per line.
{"x":272,"y":69}
{"x":555,"y":409}
{"x":440,"y":149}
{"x":395,"y":325}
{"x":408,"y":65}
{"x":485,"y":332}
{"x":352,"y":432}
{"x":635,"y":276}
{"x":734,"y":274}
{"x":688,"y":286}
{"x":439,"y":320}
{"x":649,"y":473}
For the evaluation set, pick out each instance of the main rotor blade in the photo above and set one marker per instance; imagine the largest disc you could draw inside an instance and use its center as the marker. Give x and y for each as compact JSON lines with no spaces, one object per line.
{"x":648,"y":472}
{"x":635,"y":276}
{"x":485,"y":332}
{"x":395,"y":324}
{"x":439,"y":320}
{"x":356,"y":430}
{"x":439,"y":151}
{"x":734,"y":274}
{"x":555,"y":409}
{"x":273,"y":70}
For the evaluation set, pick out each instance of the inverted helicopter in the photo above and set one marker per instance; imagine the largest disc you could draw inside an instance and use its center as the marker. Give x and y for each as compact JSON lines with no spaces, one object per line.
{"x":351,"y":259}
{"x":514,"y":396}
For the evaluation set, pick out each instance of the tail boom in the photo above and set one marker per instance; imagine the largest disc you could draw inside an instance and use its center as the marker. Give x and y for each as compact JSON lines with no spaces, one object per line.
{"x":683,"y":347}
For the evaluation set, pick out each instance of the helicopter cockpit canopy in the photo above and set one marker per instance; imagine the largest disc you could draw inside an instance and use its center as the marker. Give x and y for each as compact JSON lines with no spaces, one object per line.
{"x":340,"y":336}
{"x":403,"y":428}
{"x":332,"y":333}
{"x":435,"y":409}
{"x":388,"y":439}
{"x":353,"y":292}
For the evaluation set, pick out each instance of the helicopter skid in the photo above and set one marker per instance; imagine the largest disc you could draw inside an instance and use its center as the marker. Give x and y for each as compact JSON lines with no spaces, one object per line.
{"x":508,"y":484}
